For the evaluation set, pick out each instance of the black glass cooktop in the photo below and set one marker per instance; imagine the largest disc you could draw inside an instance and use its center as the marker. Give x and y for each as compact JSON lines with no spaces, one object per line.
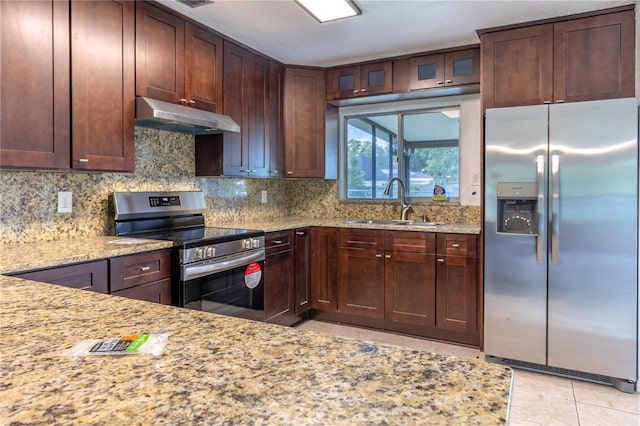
{"x":202,"y":236}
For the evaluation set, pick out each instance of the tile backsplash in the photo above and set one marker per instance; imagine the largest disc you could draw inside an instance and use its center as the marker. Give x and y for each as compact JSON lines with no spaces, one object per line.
{"x":166,"y":162}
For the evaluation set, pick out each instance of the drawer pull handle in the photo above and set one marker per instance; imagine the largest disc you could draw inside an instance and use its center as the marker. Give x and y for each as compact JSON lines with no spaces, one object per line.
{"x":277,"y":241}
{"x":299,"y":233}
{"x":455,"y":245}
{"x":83,"y":160}
{"x":388,"y":256}
{"x":441,"y":260}
{"x":144,"y":268}
{"x":378,"y":255}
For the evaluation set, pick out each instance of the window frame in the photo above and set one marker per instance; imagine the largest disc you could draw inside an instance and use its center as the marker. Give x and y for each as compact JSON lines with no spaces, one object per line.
{"x":400,"y":111}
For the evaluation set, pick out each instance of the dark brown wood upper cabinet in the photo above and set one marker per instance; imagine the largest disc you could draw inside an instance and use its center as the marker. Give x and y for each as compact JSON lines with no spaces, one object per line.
{"x":177,"y":61}
{"x":35,"y":85}
{"x":444,"y":69}
{"x":586,"y":58}
{"x":360,"y":80}
{"x":304,"y":122}
{"x":102,"y":85}
{"x":594,"y":58}
{"x":247,"y":102}
{"x":274,"y":123}
{"x":80,"y":75}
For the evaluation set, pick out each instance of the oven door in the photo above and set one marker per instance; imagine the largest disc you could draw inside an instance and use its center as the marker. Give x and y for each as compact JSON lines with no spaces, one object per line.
{"x":233,"y":285}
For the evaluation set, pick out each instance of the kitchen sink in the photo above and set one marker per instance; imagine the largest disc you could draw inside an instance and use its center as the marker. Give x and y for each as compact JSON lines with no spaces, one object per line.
{"x":391,"y":222}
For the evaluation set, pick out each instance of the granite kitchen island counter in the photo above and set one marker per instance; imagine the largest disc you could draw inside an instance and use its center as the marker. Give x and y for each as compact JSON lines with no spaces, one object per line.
{"x":220,"y":370}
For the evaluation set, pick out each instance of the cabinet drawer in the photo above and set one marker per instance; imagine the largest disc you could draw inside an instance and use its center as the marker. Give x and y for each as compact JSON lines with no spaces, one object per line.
{"x":137,"y":269}
{"x":86,"y":276}
{"x":415,"y":242}
{"x":362,"y":239}
{"x":156,"y":292}
{"x":276,"y":242}
{"x":457,"y":245}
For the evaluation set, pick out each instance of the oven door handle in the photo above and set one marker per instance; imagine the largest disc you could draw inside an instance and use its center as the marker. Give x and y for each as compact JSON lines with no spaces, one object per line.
{"x":197,"y":271}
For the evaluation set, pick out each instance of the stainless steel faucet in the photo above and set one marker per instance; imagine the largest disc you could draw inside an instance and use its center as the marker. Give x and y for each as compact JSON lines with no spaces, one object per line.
{"x":405,"y":207}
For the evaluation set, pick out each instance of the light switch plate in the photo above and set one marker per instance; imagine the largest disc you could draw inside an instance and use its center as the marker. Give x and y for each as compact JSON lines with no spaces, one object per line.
{"x":65,"y":202}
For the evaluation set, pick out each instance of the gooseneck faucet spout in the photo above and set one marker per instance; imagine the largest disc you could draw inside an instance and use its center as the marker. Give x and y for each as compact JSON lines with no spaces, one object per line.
{"x":405,"y":207}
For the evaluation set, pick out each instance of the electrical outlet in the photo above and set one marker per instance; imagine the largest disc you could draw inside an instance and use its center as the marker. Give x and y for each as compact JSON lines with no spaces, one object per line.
{"x":65,"y":201}
{"x":264,"y":197}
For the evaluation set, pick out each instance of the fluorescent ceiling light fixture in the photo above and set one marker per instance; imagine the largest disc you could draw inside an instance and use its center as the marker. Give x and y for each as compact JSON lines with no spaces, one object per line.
{"x":329,"y":10}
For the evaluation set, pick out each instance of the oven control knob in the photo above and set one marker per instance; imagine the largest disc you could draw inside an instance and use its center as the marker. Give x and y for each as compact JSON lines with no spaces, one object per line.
{"x":200,"y":254}
{"x":246,"y":244}
{"x":255,"y":243}
{"x":210,"y":252}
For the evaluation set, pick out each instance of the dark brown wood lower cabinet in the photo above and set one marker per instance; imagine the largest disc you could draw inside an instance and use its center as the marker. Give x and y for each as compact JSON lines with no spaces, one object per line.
{"x":156,"y":292}
{"x":302,"y":274}
{"x":278,"y":285}
{"x":417,"y":283}
{"x":93,"y":276}
{"x":324,"y":269}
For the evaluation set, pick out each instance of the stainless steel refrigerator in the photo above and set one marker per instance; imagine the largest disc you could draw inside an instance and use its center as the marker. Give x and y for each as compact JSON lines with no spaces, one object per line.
{"x":561,"y":239}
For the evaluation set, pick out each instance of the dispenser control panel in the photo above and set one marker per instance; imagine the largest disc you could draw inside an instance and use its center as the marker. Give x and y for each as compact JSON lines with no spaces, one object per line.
{"x":517,"y":207}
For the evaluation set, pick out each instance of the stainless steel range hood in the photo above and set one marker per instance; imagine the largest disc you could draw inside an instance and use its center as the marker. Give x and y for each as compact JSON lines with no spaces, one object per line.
{"x":177,"y":118}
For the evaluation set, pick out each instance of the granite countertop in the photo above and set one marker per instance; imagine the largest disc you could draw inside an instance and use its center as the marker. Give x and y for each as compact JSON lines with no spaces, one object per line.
{"x":47,"y":254}
{"x":220,"y":370}
{"x":283,"y":223}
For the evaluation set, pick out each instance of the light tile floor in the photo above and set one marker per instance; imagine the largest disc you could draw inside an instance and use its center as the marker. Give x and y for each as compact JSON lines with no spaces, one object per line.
{"x":537,"y":399}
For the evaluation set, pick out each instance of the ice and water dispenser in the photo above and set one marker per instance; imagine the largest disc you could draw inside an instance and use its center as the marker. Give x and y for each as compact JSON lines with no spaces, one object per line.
{"x":517,"y":207}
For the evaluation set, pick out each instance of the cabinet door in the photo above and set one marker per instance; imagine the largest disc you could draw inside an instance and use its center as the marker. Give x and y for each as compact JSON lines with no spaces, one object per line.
{"x":324,"y":268}
{"x":344,"y":82}
{"x":304,"y":114}
{"x":203,"y":68}
{"x":103,"y":87}
{"x":274,"y":122}
{"x":302,"y":270}
{"x":517,"y":67}
{"x":457,"y":293}
{"x":361,"y":282}
{"x":246,"y":100}
{"x":159,"y":54}
{"x":156,"y":292}
{"x":593,"y":58}
{"x":93,"y":276}
{"x":377,"y":78}
{"x":34,"y":84}
{"x":426,"y":72}
{"x":462,"y":67}
{"x":278,"y":285}
{"x":410,"y":288}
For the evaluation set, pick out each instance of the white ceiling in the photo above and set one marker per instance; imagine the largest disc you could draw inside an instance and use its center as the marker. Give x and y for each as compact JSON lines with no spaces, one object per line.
{"x":284,"y":31}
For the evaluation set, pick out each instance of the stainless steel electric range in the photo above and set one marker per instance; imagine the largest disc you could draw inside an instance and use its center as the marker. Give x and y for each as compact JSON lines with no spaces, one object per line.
{"x":218,"y":270}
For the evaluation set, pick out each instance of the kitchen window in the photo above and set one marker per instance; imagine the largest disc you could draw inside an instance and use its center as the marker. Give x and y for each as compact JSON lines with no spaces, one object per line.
{"x":421,"y":147}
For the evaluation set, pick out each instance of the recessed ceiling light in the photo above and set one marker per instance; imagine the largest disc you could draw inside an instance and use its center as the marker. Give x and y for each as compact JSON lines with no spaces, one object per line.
{"x":330,"y":10}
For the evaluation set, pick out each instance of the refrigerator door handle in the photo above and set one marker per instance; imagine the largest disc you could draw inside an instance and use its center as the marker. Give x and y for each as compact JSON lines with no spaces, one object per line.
{"x":555,"y":207}
{"x":540,"y":213}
